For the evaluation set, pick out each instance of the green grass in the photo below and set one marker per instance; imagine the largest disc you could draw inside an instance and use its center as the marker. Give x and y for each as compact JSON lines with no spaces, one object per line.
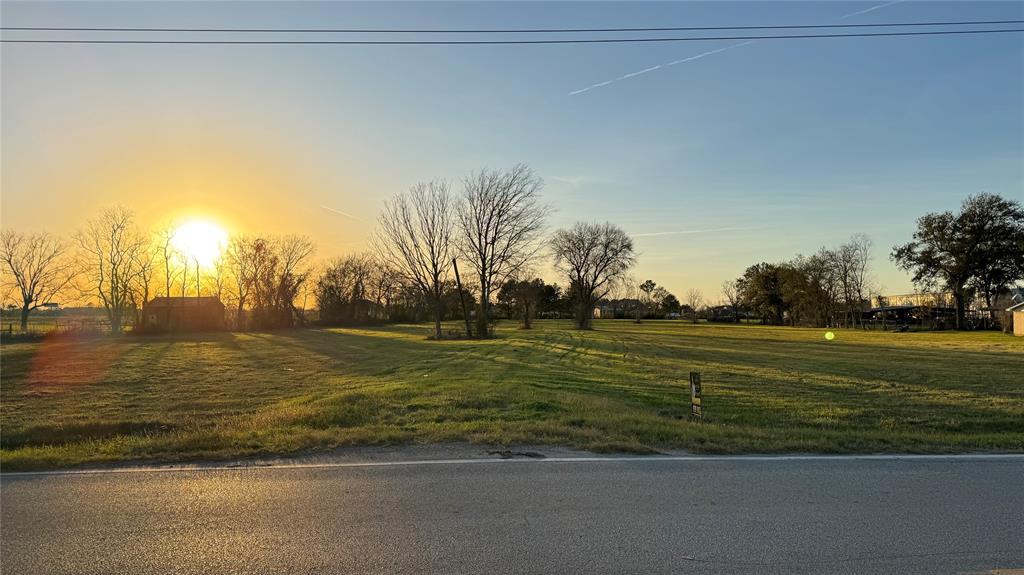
{"x":621,"y":387}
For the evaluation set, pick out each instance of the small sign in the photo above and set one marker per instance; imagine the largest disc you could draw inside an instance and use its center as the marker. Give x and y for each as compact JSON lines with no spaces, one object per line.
{"x":695,"y":404}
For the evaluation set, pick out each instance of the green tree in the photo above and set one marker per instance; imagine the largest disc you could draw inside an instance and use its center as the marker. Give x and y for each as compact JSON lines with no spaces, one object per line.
{"x":981,"y":246}
{"x":522,"y":297}
{"x":762,"y":291}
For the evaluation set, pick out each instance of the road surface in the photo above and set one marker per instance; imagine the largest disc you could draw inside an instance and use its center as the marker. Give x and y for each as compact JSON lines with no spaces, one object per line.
{"x":632,"y":515}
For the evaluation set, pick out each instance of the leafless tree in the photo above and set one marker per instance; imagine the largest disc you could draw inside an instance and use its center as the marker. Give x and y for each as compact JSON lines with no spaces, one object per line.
{"x":217,"y":277}
{"x":240,"y":260}
{"x":272,"y":271}
{"x":295,"y":252}
{"x":500,"y":219}
{"x":695,"y":299}
{"x":344,"y":288}
{"x":852,"y":264}
{"x":733,"y":298}
{"x":415,"y":236}
{"x":593,"y":258}
{"x":164,"y":239}
{"x":110,"y":245}
{"x":140,"y":285}
{"x":37,"y":268}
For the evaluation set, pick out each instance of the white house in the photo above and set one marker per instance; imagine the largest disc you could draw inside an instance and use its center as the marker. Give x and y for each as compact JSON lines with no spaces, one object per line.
{"x":1018,"y":318}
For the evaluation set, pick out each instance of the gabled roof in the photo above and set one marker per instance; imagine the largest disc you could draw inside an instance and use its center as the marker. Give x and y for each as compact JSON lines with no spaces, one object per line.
{"x":1016,"y":307}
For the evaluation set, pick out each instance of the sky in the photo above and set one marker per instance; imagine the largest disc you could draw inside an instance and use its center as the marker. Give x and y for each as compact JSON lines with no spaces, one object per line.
{"x":732,"y":155}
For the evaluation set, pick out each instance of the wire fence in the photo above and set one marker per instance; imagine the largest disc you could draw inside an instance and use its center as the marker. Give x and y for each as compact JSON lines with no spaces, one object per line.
{"x":42,"y":326}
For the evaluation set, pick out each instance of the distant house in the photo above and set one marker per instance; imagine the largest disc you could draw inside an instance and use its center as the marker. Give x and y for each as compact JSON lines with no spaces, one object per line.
{"x":183,"y":314}
{"x":920,"y":300}
{"x":1018,"y":318}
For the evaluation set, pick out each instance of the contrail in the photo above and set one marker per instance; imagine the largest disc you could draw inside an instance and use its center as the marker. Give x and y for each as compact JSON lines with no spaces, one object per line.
{"x":653,"y":68}
{"x":710,"y":52}
{"x":339,"y":212}
{"x":871,"y":9}
{"x":688,"y":232}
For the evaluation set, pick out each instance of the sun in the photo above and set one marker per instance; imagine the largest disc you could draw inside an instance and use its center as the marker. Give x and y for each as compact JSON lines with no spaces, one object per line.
{"x":201,"y":241}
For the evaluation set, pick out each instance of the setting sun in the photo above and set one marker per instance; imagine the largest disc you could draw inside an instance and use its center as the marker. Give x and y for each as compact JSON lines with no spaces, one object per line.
{"x":202,"y":241}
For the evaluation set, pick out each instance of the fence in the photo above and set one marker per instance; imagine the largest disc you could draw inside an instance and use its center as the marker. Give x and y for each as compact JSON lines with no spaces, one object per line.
{"x":43,"y":325}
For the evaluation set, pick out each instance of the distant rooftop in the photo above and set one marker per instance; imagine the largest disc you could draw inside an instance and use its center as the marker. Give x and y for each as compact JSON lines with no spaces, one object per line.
{"x":183,"y":301}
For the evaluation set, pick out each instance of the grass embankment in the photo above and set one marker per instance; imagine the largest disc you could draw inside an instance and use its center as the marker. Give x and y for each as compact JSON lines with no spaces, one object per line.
{"x":621,"y":387}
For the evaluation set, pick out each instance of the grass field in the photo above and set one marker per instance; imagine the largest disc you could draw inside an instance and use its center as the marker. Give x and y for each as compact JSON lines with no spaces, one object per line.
{"x":621,"y":387}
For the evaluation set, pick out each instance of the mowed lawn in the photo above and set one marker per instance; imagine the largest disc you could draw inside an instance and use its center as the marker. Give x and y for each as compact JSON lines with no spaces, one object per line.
{"x":621,"y":387}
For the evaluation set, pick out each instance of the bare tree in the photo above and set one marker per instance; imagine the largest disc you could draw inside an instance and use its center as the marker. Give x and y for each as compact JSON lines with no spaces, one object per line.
{"x":140,"y":285}
{"x":733,"y":297}
{"x":344,"y":288}
{"x":593,"y":258}
{"x":110,"y":245}
{"x":415,"y":236}
{"x":852,"y":260}
{"x":37,"y":268}
{"x":293,"y":253}
{"x":500,"y":219}
{"x":164,"y":240}
{"x":694,"y":299}
{"x":386,"y":282}
{"x":860,"y":246}
{"x":268,"y":275}
{"x":240,"y":261}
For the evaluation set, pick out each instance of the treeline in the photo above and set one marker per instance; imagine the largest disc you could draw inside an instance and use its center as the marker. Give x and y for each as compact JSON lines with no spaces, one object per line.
{"x":975,"y":254}
{"x":826,"y":289}
{"x":494,"y":229}
{"x":438,"y":254}
{"x":112,"y":261}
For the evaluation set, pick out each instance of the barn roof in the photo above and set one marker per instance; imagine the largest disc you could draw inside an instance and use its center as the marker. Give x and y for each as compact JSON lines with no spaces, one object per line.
{"x":204,"y":301}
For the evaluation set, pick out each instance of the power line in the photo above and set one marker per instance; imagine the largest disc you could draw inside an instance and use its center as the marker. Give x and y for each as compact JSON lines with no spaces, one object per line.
{"x":492,"y":42}
{"x":500,"y":31}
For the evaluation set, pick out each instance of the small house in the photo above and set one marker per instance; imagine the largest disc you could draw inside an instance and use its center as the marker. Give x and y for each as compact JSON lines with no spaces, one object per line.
{"x":1017,"y":313}
{"x":183,"y":314}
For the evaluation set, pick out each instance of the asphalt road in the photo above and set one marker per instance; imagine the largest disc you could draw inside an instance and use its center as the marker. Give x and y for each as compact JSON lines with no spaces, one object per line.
{"x":723,"y":515}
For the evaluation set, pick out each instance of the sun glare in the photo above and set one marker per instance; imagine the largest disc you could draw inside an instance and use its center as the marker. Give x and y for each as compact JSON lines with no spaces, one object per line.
{"x":201,"y":241}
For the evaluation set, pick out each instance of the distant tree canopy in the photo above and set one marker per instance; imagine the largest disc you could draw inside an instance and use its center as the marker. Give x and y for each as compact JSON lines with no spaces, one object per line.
{"x":671,"y":304}
{"x":343,"y":289}
{"x":828,"y":288}
{"x":593,"y":257}
{"x":493,"y":230}
{"x":981,"y":248}
{"x":761,"y":289}
{"x":524,"y":297}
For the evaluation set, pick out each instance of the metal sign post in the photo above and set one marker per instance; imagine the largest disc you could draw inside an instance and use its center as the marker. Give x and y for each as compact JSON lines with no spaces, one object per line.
{"x":695,"y":405}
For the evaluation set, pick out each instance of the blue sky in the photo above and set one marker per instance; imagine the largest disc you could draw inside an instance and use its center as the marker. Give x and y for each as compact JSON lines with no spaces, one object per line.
{"x":755,"y":153}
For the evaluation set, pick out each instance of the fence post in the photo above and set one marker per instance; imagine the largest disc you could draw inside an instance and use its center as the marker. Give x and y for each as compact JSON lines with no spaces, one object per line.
{"x":696,"y":413}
